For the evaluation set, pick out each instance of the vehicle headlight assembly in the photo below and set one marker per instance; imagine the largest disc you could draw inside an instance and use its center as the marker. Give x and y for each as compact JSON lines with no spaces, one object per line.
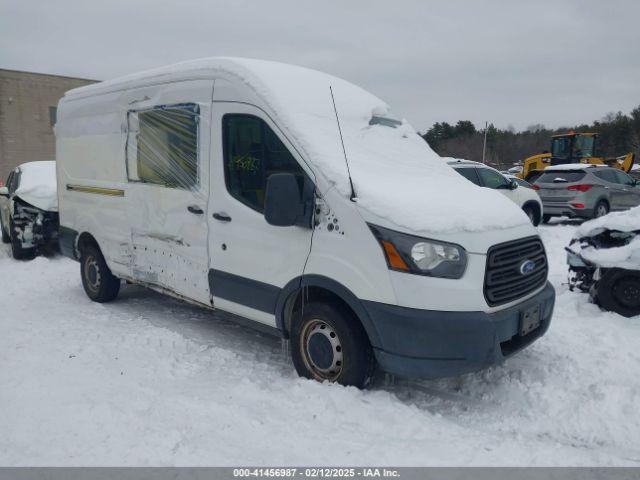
{"x":420,"y":256}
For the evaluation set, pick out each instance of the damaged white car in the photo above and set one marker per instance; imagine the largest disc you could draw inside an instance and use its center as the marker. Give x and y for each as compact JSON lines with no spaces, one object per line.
{"x":29,"y":209}
{"x":604,"y":260}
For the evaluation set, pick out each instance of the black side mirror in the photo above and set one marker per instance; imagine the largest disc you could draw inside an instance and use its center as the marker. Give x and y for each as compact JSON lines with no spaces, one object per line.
{"x":284,"y":205}
{"x":513,"y":185}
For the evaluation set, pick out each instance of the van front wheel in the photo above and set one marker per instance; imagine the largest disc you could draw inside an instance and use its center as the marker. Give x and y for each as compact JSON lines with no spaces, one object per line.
{"x":99,"y":283}
{"x":329,"y":343}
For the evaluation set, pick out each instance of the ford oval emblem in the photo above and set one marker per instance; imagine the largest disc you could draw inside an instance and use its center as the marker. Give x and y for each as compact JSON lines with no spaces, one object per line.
{"x":527,"y":267}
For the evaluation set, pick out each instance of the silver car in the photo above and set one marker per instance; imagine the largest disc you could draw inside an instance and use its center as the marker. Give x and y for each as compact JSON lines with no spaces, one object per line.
{"x":586,"y":191}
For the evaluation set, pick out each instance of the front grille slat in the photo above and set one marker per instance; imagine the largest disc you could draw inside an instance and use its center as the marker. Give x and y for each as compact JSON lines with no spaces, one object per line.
{"x":503,"y":281}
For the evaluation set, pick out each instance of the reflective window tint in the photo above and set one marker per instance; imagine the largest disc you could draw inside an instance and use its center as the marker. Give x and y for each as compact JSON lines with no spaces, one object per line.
{"x":492,"y":179}
{"x":623,"y":178}
{"x":606,"y":175}
{"x":252,"y":152}
{"x":470,"y":174}
{"x":14,"y":181}
{"x":162,"y":146}
{"x":559,"y":177}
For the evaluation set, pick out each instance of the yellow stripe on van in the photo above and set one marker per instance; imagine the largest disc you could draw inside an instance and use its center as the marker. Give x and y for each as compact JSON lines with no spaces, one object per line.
{"x":113,"y":192}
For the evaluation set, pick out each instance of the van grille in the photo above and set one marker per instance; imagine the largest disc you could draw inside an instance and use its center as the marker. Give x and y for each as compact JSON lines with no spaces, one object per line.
{"x":503,"y":280}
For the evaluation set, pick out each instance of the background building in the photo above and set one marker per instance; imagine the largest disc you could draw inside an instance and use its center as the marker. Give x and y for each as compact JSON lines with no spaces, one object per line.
{"x":28,"y":103}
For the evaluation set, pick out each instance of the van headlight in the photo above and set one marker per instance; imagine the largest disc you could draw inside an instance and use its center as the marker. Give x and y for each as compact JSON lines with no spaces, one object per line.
{"x":421,"y":256}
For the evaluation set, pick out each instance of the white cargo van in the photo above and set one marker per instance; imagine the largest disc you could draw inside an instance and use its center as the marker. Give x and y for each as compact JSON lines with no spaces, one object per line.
{"x":229,"y":183}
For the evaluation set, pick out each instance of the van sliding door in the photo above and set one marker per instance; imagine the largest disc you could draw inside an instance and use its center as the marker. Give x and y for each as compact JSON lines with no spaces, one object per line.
{"x":167,"y":160}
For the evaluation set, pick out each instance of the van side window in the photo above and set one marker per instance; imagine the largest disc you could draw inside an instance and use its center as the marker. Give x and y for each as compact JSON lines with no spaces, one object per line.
{"x":252,"y":152}
{"x":162,"y":146}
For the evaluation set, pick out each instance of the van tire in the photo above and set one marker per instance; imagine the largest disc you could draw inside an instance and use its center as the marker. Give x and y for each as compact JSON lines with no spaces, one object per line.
{"x":99,"y":283}
{"x":619,"y":291}
{"x":17,"y":251}
{"x":342,"y":350}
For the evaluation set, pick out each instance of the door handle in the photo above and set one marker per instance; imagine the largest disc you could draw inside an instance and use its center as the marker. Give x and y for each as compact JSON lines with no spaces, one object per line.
{"x":223,"y":217}
{"x":195,"y":209}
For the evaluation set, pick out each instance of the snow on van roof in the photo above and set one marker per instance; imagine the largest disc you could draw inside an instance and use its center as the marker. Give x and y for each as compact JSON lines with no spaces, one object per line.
{"x":396,"y":174}
{"x":38,"y":184}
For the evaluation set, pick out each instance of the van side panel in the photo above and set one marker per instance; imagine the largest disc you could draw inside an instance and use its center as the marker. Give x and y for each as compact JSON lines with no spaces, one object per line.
{"x":145,"y":231}
{"x":91,"y":174}
{"x":344,"y":249}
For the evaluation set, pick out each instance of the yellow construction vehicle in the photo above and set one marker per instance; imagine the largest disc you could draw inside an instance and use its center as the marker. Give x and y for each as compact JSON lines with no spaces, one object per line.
{"x":572,"y":147}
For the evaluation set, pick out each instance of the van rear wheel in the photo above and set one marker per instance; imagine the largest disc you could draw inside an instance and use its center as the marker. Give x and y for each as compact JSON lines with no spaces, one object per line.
{"x":99,"y":283}
{"x":329,"y":344}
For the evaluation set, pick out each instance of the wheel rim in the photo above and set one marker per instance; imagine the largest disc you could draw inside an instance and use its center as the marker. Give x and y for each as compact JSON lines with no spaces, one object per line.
{"x":321,"y":350}
{"x":601,"y":211}
{"x":627,"y":292}
{"x":92,"y":273}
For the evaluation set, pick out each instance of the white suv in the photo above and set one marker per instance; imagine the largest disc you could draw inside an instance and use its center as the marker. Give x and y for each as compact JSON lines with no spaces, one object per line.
{"x":485,"y":176}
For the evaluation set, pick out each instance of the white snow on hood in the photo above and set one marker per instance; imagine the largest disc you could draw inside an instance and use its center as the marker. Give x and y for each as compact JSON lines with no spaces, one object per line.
{"x":38,"y":185}
{"x":395,"y":173}
{"x":627,"y":256}
{"x":627,"y":221}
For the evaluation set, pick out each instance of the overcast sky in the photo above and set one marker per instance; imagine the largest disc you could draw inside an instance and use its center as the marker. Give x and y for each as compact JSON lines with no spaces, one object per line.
{"x":510,"y":62}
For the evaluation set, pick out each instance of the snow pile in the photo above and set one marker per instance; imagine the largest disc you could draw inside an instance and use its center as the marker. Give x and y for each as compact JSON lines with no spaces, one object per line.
{"x":147,"y":380}
{"x":627,"y":221}
{"x":395,"y":173}
{"x":38,"y":185}
{"x":627,"y":256}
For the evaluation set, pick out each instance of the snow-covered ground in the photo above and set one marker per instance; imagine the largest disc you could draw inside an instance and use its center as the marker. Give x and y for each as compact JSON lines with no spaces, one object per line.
{"x":147,"y":380}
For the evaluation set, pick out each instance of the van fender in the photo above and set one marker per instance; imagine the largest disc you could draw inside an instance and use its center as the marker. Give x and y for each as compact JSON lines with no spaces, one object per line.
{"x":337,"y":289}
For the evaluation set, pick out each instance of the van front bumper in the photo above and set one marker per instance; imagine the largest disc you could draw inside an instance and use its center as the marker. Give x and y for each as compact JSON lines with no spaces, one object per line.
{"x":434,"y":344}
